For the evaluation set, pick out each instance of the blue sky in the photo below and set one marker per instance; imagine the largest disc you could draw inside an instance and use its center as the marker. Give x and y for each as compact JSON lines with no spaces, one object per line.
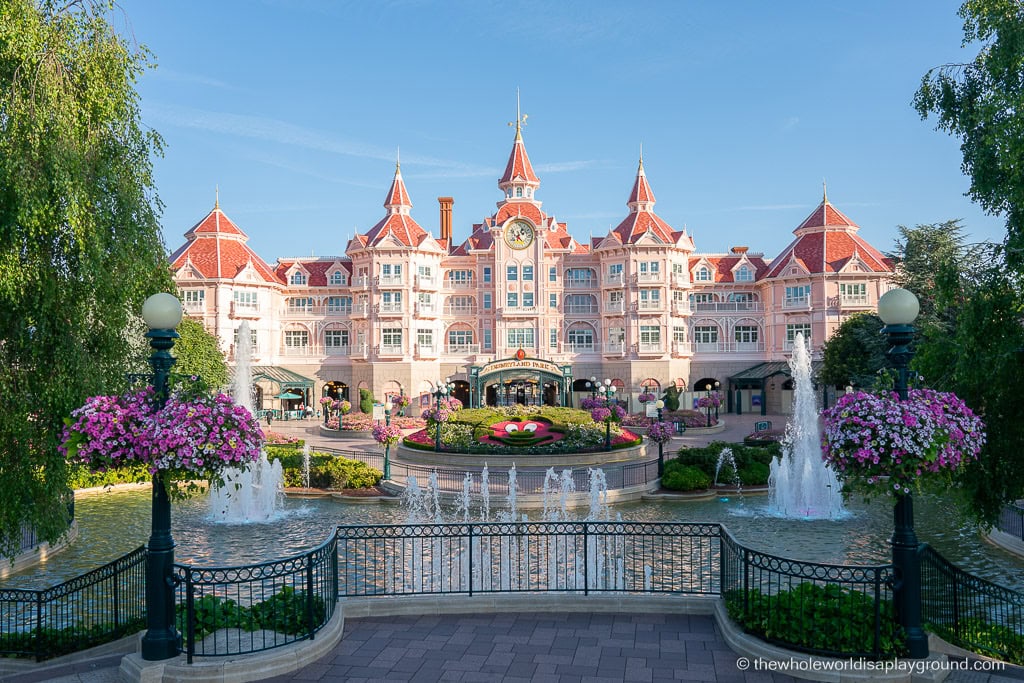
{"x":296,"y":108}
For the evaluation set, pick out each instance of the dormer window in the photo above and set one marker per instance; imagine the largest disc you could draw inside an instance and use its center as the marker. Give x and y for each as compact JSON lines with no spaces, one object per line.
{"x":519,"y":192}
{"x":528,"y":191}
{"x":703,"y":274}
{"x":744,"y":274}
{"x":298,"y":278}
{"x":336,"y":278}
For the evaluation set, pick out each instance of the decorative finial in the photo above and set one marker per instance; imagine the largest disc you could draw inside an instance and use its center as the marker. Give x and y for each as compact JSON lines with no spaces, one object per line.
{"x":216,"y":197}
{"x":641,"y":156}
{"x":398,"y":158}
{"x":520,"y":120}
{"x":824,"y":192}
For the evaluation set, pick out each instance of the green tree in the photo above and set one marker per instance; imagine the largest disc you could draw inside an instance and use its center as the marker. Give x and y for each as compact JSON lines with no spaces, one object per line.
{"x":80,"y":245}
{"x":855,"y":353}
{"x":198,"y":353}
{"x":922,"y":252}
{"x":982,"y":103}
{"x":977,"y":351}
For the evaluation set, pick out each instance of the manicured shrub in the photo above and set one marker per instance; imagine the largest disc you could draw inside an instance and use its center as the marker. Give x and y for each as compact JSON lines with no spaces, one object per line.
{"x":685,"y":478}
{"x":366,"y":401}
{"x":754,"y":474}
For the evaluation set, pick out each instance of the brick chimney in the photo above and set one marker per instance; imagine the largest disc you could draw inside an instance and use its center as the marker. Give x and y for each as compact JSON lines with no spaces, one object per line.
{"x":446,"y":217}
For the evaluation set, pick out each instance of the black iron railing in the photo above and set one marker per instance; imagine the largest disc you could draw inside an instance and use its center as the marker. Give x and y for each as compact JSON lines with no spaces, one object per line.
{"x":582,"y":557}
{"x":817,"y":608}
{"x":237,"y":610}
{"x":1011,"y":521}
{"x":969,"y":611}
{"x":102,"y":605}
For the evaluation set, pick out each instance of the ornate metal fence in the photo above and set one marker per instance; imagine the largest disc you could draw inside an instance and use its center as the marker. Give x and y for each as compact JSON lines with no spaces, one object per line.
{"x":102,"y":605}
{"x":579,"y":557}
{"x":236,"y":610}
{"x":1011,"y":521}
{"x":969,"y":611}
{"x":818,"y":608}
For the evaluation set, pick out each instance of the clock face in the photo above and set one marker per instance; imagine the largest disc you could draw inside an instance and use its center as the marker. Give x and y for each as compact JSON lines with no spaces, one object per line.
{"x":519,"y":234}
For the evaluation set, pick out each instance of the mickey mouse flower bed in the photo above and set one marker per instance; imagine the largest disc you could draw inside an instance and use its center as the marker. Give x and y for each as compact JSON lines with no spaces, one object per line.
{"x":517,"y":430}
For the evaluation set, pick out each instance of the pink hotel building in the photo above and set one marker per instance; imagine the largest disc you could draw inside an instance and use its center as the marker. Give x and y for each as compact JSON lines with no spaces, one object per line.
{"x":522,"y":311}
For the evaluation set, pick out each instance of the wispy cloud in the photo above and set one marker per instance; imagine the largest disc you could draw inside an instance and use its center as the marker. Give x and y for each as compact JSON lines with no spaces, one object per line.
{"x":306,"y":171}
{"x":563,"y":166}
{"x":285,"y":133}
{"x":790,"y":123}
{"x":166,"y":74}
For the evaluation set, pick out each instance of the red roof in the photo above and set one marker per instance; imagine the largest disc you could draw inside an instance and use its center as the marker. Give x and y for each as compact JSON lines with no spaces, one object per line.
{"x":519,"y":166}
{"x":402,"y":226}
{"x":317,"y":270}
{"x":215,"y":222}
{"x":641,"y":188}
{"x":523,"y":209}
{"x":215,"y":257}
{"x":826,"y":242}
{"x":397,"y":195}
{"x":723,"y":266}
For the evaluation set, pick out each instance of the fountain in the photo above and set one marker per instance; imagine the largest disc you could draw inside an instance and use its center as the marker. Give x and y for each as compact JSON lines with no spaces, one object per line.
{"x":801,"y":485}
{"x":252,"y":494}
{"x":726,"y":457}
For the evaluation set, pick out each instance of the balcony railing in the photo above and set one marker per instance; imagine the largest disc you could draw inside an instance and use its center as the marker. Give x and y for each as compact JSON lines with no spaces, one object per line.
{"x":520,"y":310}
{"x":790,"y":343}
{"x":338,"y":350}
{"x":682,"y":348}
{"x":613,"y":280}
{"x":650,"y":277}
{"x":746,"y":347}
{"x":194,"y":306}
{"x":648,"y":305}
{"x":853,"y":300}
{"x":426,"y":282}
{"x":360,"y":351}
{"x":580,"y":347}
{"x":462,"y":349}
{"x":390,"y":280}
{"x":680,"y":280}
{"x":360,"y":310}
{"x":581,"y":283}
{"x":581,"y":309}
{"x":615,"y":347}
{"x":613,"y":307}
{"x":708,"y":346}
{"x":426,"y":350}
{"x":797,"y":302}
{"x":426,"y":309}
{"x":459,"y":310}
{"x":732,"y":306}
{"x":390,"y":350}
{"x":650,"y":347}
{"x":361,"y":281}
{"x":246,"y":310}
{"x":302,"y":311}
{"x":681,"y":308}
{"x":390,"y":309}
{"x":344,"y":309}
{"x":298,"y":350}
{"x":460,"y":284}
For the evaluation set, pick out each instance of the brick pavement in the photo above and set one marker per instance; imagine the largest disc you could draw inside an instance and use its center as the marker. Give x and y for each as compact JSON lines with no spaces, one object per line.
{"x":529,"y":647}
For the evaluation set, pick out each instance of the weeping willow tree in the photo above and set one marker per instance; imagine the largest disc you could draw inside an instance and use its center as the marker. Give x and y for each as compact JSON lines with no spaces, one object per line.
{"x":80,"y":245}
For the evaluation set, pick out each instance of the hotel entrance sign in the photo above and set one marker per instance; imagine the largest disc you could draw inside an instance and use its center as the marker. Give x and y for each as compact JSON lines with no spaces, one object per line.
{"x":521,"y":364}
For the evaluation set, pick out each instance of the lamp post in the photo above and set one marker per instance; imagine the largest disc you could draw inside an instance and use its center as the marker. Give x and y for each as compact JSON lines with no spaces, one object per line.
{"x":898,"y":308}
{"x":162,"y":313}
{"x":707,"y":397}
{"x":660,"y":405}
{"x":441,"y":391}
{"x":593,"y":386}
{"x":718,"y":398}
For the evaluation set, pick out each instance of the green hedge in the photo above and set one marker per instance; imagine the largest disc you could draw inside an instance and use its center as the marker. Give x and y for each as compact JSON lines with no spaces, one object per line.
{"x":752,"y":461}
{"x":285,"y":612}
{"x":326,"y":471}
{"x":679,"y":477}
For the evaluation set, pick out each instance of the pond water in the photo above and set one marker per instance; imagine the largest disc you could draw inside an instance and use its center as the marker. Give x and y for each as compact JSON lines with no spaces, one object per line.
{"x":113,"y":523}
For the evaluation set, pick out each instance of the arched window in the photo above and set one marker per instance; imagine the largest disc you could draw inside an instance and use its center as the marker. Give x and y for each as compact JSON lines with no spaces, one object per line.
{"x":298,"y":278}
{"x":337,"y":278}
{"x":703,"y":274}
{"x":519,"y":192}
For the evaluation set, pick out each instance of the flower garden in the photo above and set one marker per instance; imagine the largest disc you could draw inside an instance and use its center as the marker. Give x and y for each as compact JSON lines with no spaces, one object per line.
{"x":521,"y":429}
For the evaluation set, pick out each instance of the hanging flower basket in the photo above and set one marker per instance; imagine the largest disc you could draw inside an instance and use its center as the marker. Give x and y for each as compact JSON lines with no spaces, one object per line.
{"x":195,"y":435}
{"x":879,"y":444}
{"x":386,"y":435}
{"x":660,"y":432}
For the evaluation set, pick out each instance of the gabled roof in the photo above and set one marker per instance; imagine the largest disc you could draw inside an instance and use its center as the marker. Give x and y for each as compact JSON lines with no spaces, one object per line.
{"x":397,"y":195}
{"x":826,"y":241}
{"x":723,"y":266}
{"x":397,"y":223}
{"x":642,"y":219}
{"x":215,"y":247}
{"x":317,"y":269}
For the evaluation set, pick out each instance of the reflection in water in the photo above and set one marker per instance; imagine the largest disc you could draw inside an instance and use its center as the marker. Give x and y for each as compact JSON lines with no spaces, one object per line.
{"x":113,"y":523}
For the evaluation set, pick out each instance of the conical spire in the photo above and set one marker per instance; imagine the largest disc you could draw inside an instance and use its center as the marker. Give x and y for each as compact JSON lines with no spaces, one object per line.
{"x":642,"y":197}
{"x":519,"y":170}
{"x":398,"y":200}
